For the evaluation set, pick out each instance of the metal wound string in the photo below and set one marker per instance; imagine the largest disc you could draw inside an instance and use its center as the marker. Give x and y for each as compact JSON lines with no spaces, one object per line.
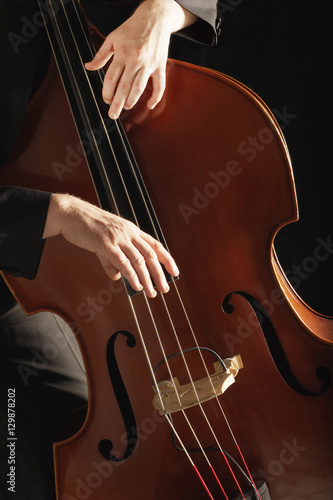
{"x":175,"y":285}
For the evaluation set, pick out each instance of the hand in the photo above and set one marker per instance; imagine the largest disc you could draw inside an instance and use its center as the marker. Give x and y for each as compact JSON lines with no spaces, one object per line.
{"x":122,"y":248}
{"x":138,"y":50}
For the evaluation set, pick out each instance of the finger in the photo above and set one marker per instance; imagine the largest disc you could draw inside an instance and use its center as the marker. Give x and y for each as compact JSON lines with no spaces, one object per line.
{"x":109,"y":268}
{"x":162,"y":254}
{"x":120,"y":265}
{"x":102,"y":56}
{"x":111,"y":80}
{"x":138,"y":86}
{"x":132,"y":265}
{"x":153,"y":259}
{"x":159,"y":82}
{"x":122,"y":91}
{"x":141,"y":265}
{"x":156,"y":271}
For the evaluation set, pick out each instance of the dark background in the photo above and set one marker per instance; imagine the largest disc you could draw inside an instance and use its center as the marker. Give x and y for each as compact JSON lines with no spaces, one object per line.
{"x":281,"y":49}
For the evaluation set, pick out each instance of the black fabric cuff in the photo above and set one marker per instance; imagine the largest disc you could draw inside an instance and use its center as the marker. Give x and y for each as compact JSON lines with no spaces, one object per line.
{"x":22,"y":219}
{"x":207,"y":29}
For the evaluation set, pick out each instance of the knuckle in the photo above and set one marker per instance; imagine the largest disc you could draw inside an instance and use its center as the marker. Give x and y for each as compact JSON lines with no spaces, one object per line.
{"x":138,"y":88}
{"x":151,"y":255}
{"x":124,"y":262}
{"x":124,"y":87}
{"x":110,"y":78}
{"x":114,"y":274}
{"x":140,"y":260}
{"x":109,"y":238}
{"x":156,"y":246}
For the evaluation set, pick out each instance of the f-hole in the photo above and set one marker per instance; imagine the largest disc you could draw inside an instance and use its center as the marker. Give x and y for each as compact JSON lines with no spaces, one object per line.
{"x":105,"y":445}
{"x":275,"y":347}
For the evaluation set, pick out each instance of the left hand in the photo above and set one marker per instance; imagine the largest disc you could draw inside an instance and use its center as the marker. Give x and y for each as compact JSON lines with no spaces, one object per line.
{"x":121,"y":247}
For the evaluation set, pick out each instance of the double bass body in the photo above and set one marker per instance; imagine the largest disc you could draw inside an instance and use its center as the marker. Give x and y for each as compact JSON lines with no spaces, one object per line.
{"x":220,"y":181}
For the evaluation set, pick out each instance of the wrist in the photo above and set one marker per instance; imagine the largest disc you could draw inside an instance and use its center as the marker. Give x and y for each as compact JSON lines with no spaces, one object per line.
{"x":59,"y":205}
{"x":168,"y":13}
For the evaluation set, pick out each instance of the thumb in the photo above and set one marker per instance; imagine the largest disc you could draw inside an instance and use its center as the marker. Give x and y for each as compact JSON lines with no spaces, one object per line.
{"x":101,"y":57}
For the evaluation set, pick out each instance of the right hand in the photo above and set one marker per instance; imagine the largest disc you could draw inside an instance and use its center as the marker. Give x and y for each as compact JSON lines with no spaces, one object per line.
{"x":122,"y":248}
{"x":138,"y":50}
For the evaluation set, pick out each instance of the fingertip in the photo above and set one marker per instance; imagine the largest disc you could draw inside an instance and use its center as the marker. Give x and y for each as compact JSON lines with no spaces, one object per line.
{"x":113,"y":115}
{"x":115,"y":276}
{"x":154,"y":100}
{"x":157,"y":94}
{"x":171,"y":267}
{"x":152,"y":104}
{"x":92,"y":65}
{"x":98,"y":61}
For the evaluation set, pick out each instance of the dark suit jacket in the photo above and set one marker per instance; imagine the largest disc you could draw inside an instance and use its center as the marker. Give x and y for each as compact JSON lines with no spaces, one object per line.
{"x":23,"y":61}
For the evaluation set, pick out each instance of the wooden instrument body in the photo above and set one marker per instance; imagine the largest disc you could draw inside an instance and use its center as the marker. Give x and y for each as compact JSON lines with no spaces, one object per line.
{"x":218,"y":173}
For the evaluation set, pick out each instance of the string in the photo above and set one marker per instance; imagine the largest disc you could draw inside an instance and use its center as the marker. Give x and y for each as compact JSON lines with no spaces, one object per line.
{"x":147,"y":355}
{"x":133,"y":309}
{"x":133,"y":213}
{"x":197,"y":398}
{"x":142,"y":338}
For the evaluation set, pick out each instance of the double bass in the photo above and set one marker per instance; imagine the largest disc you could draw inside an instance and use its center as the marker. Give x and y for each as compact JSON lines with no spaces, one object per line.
{"x":222,"y":388}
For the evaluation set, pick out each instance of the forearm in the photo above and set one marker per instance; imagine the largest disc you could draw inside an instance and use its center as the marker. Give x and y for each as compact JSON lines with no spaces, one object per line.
{"x":168,"y":13}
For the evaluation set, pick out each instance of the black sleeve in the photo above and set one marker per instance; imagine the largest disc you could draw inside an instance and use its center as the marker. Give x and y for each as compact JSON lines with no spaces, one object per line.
{"x":107,"y":15}
{"x":22,"y":219}
{"x":22,"y":211}
{"x":206,"y":29}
